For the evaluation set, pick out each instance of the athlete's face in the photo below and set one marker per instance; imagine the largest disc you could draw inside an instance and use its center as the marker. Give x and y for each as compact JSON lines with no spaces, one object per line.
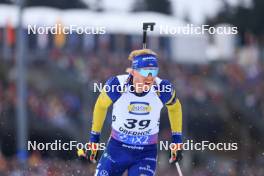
{"x":142,"y":83}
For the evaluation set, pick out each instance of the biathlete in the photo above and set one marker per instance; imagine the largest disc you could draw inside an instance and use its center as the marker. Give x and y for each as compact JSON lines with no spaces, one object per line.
{"x":137,"y":99}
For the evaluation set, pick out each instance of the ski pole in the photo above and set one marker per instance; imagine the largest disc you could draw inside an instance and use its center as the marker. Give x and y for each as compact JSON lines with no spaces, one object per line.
{"x":178,"y":169}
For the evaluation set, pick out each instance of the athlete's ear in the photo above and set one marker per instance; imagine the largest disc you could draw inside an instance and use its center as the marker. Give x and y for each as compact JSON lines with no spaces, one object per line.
{"x":133,"y":72}
{"x":129,"y":71}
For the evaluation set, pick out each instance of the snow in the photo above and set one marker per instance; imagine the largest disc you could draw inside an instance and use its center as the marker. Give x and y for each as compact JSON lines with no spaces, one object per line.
{"x":114,"y":22}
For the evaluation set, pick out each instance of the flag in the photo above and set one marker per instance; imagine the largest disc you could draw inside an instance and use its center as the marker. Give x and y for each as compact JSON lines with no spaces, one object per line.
{"x":9,"y":40}
{"x":59,"y":38}
{"x":10,"y":34}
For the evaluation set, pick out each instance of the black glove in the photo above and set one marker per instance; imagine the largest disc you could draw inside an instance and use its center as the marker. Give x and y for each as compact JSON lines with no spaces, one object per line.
{"x":90,"y":155}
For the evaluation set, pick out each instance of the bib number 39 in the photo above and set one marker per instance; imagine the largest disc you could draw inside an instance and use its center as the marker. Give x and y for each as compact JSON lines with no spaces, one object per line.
{"x":132,"y":123}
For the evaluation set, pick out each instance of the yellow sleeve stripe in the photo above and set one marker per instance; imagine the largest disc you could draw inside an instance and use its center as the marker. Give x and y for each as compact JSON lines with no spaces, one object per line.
{"x":172,"y":98}
{"x":175,"y":116}
{"x":100,"y":109}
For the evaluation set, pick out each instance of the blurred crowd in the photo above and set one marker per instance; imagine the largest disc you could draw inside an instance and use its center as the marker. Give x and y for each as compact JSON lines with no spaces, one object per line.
{"x":214,"y":95}
{"x":37,"y":165}
{"x":55,"y":106}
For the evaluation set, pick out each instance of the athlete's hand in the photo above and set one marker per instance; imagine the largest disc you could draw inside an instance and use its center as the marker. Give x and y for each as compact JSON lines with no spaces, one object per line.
{"x":176,"y":154}
{"x":90,"y":154}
